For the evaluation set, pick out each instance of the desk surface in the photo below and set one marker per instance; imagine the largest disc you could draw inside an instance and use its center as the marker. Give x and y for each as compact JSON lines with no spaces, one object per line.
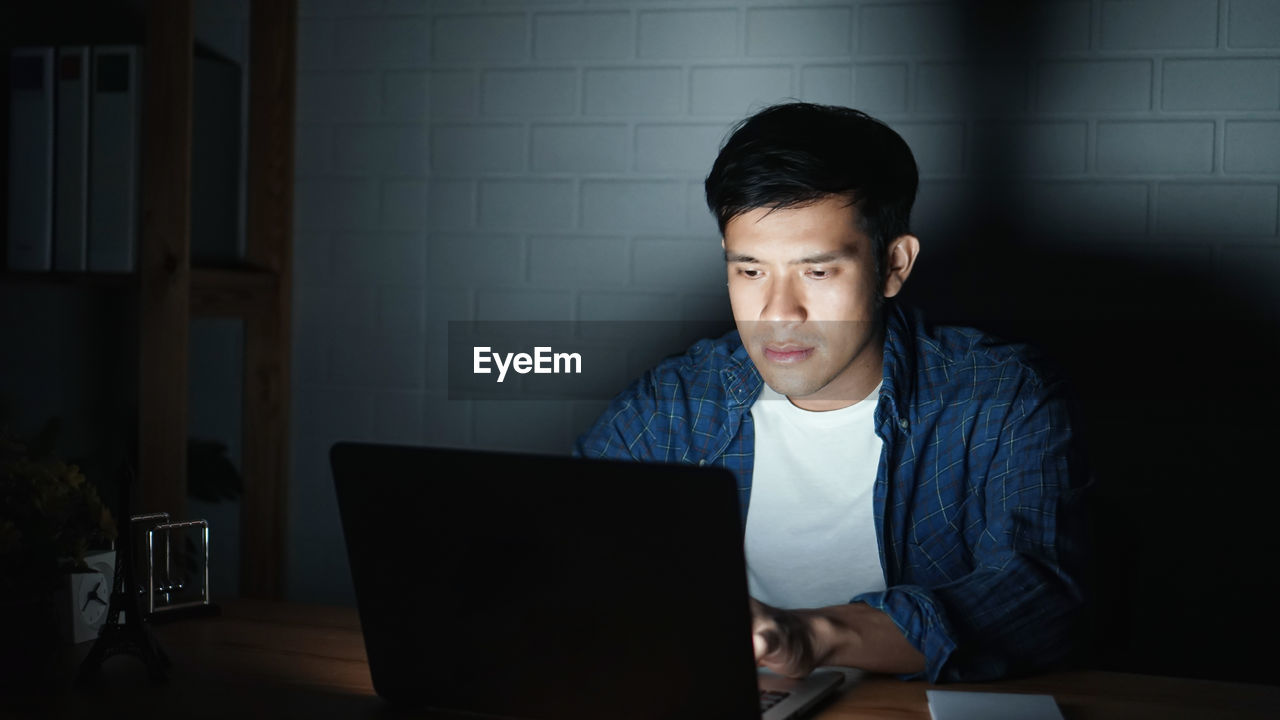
{"x":263,"y":659}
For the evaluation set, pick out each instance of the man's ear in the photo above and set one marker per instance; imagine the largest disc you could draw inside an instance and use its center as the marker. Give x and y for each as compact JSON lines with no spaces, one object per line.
{"x":899,"y":259}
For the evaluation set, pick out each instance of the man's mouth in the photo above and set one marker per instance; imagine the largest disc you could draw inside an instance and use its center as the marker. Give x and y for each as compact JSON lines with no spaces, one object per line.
{"x":785,"y":354}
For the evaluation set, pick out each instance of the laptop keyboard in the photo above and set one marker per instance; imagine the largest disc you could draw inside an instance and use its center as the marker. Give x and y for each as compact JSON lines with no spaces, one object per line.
{"x":769,"y":698}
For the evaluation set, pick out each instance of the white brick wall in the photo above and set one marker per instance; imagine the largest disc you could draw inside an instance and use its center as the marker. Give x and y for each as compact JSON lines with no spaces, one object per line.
{"x":634,"y":91}
{"x":1252,"y":147}
{"x":1215,"y":85}
{"x":1087,"y":86}
{"x":633,"y":205}
{"x":1159,"y":24}
{"x":482,"y":38}
{"x":916,"y":29}
{"x":1247,"y":210}
{"x":677,"y":148}
{"x":511,"y":159}
{"x":525,"y":93}
{"x":1253,"y":24}
{"x":466,"y":149}
{"x":583,"y":36}
{"x":689,"y":33}
{"x":799,"y":32}
{"x":527,"y":204}
{"x":1130,"y":147}
{"x":594,"y":261}
{"x":585,"y":149}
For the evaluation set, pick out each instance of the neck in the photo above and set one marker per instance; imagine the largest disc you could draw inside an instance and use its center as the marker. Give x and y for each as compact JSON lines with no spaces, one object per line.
{"x":854,"y":383}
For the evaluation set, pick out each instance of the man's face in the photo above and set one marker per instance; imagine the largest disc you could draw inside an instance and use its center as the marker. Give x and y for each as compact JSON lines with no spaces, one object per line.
{"x":803,"y":291}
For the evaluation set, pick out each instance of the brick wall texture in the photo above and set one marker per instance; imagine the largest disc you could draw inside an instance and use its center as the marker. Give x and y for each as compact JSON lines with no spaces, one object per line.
{"x":468,"y":160}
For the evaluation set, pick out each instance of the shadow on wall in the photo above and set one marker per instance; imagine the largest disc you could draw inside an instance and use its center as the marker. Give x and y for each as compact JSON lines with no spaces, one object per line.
{"x":1174,"y":366}
{"x":1172,"y":345}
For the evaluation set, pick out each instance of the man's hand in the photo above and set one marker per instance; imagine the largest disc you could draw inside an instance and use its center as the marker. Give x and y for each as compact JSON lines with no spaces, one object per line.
{"x":794,"y":642}
{"x":784,"y":640}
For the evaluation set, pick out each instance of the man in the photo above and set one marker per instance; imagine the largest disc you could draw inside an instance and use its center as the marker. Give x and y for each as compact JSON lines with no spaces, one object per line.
{"x":910,"y":493}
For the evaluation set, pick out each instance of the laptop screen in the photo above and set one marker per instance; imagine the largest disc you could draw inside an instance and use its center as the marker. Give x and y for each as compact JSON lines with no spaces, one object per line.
{"x":540,"y":587}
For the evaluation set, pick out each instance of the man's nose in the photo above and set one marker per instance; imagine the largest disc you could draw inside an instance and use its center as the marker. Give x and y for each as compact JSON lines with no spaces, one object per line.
{"x":783,"y":302}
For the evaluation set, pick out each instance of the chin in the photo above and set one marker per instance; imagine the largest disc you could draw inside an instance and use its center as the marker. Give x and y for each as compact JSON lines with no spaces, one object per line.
{"x":790,"y":385}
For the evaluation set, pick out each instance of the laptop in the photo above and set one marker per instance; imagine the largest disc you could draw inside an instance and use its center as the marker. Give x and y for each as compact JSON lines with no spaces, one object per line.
{"x":500,"y":585}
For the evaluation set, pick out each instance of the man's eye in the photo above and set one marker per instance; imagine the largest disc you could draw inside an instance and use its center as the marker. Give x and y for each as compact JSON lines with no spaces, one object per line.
{"x":820,"y":274}
{"x":749,"y":272}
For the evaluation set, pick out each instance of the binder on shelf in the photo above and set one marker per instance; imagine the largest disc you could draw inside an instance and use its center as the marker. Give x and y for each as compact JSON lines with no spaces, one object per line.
{"x":114,"y":158}
{"x":71,"y":153}
{"x":30,"y":231}
{"x":217,"y":224}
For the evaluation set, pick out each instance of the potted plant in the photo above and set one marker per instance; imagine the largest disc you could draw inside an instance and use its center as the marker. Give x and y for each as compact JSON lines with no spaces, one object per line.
{"x":50,"y":517}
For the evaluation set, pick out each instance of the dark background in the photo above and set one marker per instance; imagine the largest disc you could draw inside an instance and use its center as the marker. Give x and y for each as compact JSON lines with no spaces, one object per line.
{"x":1098,"y":178}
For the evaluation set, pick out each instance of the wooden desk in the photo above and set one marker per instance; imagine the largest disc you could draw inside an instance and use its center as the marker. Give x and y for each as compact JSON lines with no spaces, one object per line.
{"x":263,"y":659}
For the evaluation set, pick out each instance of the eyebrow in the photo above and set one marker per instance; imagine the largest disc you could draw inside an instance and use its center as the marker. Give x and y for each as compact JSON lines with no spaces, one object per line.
{"x":811,"y":260}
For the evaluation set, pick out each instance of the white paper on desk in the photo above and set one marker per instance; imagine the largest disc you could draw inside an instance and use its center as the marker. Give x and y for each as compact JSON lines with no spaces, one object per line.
{"x":962,"y":705}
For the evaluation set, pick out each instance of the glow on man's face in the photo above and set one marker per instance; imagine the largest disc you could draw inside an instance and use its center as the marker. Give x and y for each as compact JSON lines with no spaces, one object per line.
{"x":802,"y":286}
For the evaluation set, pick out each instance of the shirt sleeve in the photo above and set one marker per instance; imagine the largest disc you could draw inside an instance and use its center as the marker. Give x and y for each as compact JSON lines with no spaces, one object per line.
{"x":624,"y":430}
{"x":1014,"y":612}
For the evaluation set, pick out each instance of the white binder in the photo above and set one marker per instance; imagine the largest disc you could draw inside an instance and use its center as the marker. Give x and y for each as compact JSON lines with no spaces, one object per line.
{"x":71,"y":153}
{"x":114,"y":158}
{"x":30,"y":231}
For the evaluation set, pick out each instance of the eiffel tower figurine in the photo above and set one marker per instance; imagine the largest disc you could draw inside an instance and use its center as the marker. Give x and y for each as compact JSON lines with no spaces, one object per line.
{"x":126,"y":631}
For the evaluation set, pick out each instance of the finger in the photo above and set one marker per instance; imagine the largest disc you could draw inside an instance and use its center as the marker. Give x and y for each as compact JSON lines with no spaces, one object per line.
{"x":794,"y":644}
{"x":761,"y":645}
{"x":766,"y":642}
{"x":761,"y":624}
{"x":760,"y":619}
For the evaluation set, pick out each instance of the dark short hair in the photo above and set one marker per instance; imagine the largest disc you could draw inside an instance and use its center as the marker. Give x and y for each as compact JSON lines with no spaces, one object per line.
{"x":794,"y":154}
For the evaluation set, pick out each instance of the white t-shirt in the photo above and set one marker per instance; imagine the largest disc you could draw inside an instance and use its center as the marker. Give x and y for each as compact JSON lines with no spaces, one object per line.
{"x":811,"y":534}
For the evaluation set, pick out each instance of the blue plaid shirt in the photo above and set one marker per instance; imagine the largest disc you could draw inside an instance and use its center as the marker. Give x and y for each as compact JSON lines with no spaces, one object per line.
{"x":977,"y":496}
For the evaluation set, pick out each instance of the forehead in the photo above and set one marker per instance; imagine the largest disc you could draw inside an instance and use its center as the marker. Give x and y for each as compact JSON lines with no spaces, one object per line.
{"x":823,"y":226}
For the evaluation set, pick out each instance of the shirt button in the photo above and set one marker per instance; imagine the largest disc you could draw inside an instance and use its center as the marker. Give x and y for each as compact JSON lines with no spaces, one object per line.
{"x":702,"y":462}
{"x":902,"y":423}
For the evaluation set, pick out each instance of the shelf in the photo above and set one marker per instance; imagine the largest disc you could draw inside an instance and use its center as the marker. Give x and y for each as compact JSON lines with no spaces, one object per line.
{"x":215,"y":291}
{"x":232,"y":291}
{"x":72,"y":22}
{"x":76,"y":279}
{"x":169,"y":290}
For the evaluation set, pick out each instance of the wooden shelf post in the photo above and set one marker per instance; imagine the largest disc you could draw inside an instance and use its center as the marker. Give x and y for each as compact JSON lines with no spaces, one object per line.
{"x":164,"y":265}
{"x":273,"y":28}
